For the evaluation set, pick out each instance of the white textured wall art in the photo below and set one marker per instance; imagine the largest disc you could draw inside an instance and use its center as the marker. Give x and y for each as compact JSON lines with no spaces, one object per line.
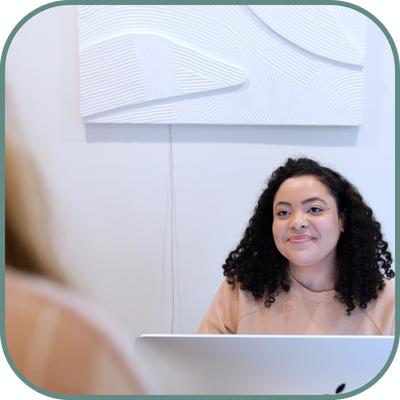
{"x":291,"y":65}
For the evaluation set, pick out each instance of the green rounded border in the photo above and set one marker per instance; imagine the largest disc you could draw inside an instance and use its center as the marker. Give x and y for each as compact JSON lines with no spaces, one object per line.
{"x":378,"y":20}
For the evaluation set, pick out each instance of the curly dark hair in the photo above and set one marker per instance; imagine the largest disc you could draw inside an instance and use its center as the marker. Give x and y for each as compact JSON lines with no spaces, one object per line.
{"x":256,"y":264}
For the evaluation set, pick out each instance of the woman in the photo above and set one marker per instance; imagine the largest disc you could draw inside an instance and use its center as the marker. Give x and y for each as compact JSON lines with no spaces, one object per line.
{"x":312,"y":261}
{"x":56,"y":339}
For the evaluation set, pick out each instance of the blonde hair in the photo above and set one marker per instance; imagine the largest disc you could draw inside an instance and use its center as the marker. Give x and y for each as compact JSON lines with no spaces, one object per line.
{"x":27,"y":225}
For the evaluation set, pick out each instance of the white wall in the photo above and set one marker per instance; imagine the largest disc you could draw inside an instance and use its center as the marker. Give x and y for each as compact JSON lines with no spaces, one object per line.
{"x":110,"y":184}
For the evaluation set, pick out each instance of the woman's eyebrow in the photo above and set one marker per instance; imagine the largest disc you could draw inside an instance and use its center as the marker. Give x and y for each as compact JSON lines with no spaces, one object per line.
{"x":310,"y":200}
{"x":313,"y":199}
{"x":283,"y":203}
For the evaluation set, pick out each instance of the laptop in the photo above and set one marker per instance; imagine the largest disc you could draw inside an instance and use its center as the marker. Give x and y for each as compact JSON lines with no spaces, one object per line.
{"x":183,"y":364}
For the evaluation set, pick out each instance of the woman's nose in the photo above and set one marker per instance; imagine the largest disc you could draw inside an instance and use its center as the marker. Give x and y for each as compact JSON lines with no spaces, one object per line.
{"x":299,"y":221}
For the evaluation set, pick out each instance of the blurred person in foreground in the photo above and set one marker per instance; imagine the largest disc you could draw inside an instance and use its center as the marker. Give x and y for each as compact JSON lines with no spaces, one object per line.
{"x":56,"y":338}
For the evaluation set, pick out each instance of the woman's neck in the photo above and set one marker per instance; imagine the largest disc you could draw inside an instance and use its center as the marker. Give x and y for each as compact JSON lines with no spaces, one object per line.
{"x":315,"y":278}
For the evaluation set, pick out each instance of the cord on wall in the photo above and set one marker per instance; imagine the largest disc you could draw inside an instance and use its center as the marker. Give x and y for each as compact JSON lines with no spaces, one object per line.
{"x":172,"y":200}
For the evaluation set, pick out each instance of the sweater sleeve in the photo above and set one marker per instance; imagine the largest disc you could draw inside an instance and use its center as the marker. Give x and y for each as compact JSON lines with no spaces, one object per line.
{"x":222,"y":314}
{"x":382,"y":311}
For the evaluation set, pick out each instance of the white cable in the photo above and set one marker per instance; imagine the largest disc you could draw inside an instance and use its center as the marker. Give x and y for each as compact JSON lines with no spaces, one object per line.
{"x":171,"y":181}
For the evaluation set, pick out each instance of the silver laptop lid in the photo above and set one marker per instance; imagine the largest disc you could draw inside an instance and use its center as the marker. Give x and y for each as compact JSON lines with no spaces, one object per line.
{"x":261,"y":364}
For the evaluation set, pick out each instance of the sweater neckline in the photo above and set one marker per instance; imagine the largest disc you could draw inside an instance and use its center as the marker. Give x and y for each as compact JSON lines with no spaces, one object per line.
{"x":325,"y":296}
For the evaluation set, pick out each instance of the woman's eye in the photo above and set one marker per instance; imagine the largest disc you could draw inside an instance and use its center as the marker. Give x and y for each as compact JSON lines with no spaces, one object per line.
{"x":283,"y":213}
{"x":315,"y":209}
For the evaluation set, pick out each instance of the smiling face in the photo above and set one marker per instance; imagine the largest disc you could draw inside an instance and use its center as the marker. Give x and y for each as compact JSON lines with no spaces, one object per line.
{"x":306,"y":226}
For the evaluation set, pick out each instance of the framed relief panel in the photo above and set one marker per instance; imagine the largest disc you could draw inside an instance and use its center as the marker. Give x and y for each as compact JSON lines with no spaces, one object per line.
{"x":261,"y":64}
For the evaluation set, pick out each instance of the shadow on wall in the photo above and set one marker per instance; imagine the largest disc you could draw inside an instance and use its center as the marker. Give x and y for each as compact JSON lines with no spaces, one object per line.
{"x":330,"y":136}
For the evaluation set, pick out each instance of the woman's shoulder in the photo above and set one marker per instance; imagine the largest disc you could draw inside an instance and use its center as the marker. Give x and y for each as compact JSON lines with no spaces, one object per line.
{"x":386,"y":296}
{"x":47,"y":294}
{"x":388,"y":292}
{"x":81,"y":339}
{"x":382,"y":310}
{"x":233,"y":293}
{"x":229,"y":305}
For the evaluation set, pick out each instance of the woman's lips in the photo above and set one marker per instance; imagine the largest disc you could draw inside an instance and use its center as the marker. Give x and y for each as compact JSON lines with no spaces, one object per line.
{"x":300,"y":239}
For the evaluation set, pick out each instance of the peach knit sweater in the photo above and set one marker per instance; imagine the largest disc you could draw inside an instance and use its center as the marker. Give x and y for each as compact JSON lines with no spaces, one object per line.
{"x":299,"y":311}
